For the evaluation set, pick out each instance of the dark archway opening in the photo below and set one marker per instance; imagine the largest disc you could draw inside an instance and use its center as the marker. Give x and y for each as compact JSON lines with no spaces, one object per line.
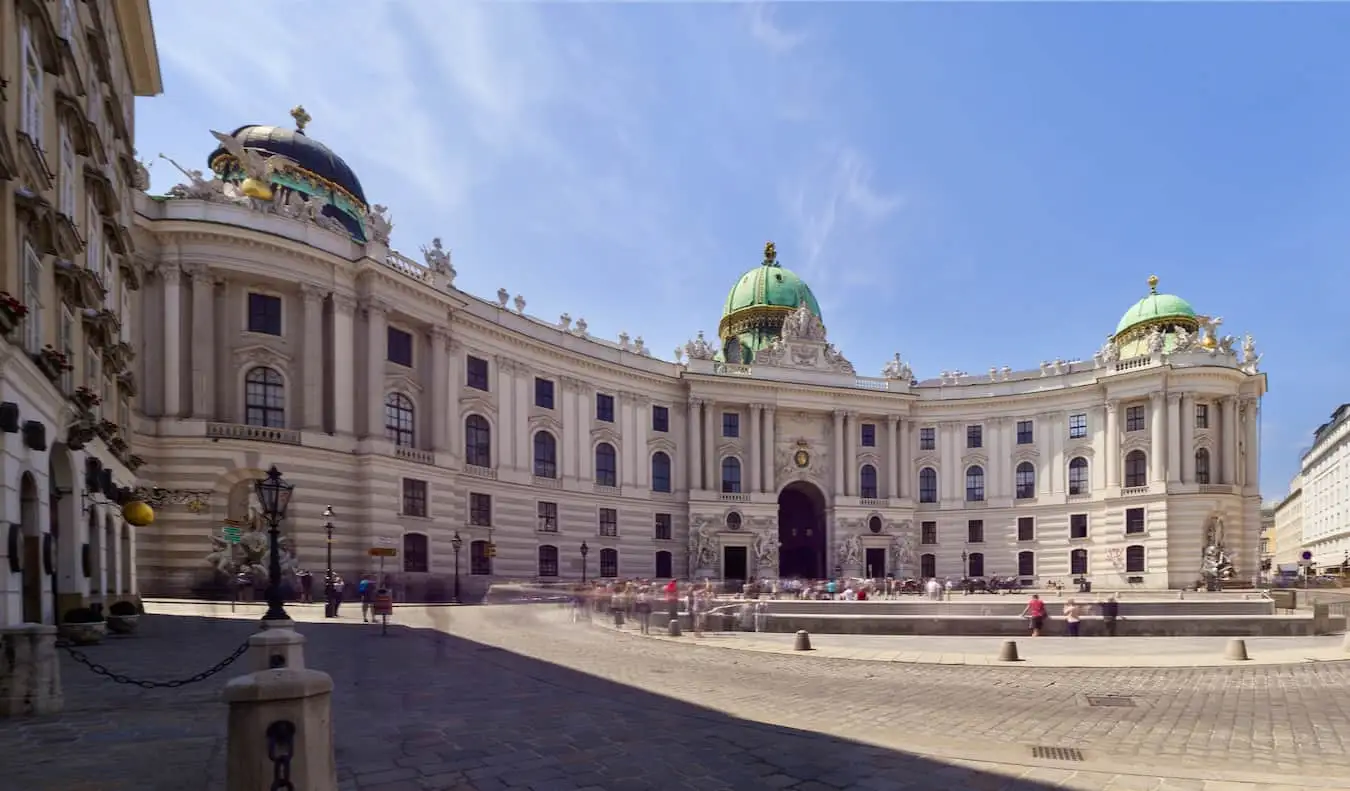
{"x":801,"y":531}
{"x":32,"y":549}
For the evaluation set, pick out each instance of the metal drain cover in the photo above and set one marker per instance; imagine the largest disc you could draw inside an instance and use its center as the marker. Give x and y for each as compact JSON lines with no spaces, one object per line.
{"x":1057,"y":753}
{"x":1119,"y":701}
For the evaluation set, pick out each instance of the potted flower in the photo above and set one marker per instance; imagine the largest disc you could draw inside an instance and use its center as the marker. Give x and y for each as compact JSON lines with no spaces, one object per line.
{"x":107,"y":429}
{"x":83,"y":626}
{"x":135,"y":462}
{"x":53,"y":362}
{"x":12,"y":312}
{"x":118,"y":445}
{"x":85,"y":398}
{"x":123,"y":617}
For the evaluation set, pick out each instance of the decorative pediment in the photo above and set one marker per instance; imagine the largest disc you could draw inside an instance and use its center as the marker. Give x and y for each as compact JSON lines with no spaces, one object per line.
{"x":545,"y":421}
{"x":472,"y":402}
{"x":605,"y":434}
{"x":401,"y":383}
{"x":1026,"y":454}
{"x":928,"y":461}
{"x":975,"y":458}
{"x":258,"y":354}
{"x":1079,"y":450}
{"x":1203,"y":442}
{"x":1134,"y":442}
{"x":870,"y":457}
{"x":728,"y":449}
{"x":664,"y":444}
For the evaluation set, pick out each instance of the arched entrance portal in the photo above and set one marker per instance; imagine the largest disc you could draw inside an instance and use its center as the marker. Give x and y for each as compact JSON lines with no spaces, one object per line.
{"x":801,"y":531}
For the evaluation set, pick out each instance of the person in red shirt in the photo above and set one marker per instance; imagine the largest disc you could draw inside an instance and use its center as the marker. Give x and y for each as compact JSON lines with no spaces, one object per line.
{"x":673,"y":599}
{"x":1035,"y":610}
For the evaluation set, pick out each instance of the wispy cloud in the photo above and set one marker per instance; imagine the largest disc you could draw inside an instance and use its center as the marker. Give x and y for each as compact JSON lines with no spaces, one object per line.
{"x":765,"y":29}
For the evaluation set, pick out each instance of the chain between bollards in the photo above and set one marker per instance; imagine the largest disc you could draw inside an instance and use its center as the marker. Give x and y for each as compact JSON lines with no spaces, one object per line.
{"x":280,"y":750}
{"x":120,"y":678}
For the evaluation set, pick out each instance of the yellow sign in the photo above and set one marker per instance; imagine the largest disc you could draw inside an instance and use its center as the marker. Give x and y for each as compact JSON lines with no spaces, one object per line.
{"x":382,"y":552}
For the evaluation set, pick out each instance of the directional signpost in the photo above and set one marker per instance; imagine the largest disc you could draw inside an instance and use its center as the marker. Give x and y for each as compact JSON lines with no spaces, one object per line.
{"x":232,"y":534}
{"x":384,"y":601}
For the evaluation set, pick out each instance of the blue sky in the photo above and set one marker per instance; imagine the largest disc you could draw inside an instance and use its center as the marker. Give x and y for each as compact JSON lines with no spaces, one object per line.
{"x":970,"y":185}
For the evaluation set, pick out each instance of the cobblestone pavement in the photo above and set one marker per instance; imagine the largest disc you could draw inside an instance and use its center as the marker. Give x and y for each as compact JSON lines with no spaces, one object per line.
{"x":500,"y":704}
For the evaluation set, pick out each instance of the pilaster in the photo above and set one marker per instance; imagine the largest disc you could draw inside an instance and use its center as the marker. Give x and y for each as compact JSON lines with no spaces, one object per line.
{"x":770,"y":442}
{"x":441,"y":414}
{"x":311,"y":408}
{"x":344,"y":374}
{"x":842,"y":461}
{"x":1157,"y":420}
{"x":1229,"y":439}
{"x":892,"y":457}
{"x":756,"y":448}
{"x":171,"y":277}
{"x":377,"y":337}
{"x":1112,"y":439}
{"x":695,"y":452}
{"x":1174,"y":436}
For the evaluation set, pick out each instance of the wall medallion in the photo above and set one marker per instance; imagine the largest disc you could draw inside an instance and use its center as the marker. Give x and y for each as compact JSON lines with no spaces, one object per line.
{"x":802,"y":459}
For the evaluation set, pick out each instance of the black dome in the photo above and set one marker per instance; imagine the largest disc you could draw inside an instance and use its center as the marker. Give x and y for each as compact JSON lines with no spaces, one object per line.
{"x":301,"y":149}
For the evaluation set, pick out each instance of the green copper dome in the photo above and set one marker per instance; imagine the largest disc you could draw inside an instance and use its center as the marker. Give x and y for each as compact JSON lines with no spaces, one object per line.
{"x":757,"y":305}
{"x":1156,"y":309}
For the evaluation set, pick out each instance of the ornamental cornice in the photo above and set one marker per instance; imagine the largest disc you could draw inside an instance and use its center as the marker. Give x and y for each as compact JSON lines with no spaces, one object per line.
{"x":401,"y":383}
{"x":199,"y":272}
{"x":440,"y":334}
{"x":170,"y":273}
{"x":1026,"y":453}
{"x":475,"y":401}
{"x":605,"y":433}
{"x":1134,"y":441}
{"x":729,"y":448}
{"x":543,"y":420}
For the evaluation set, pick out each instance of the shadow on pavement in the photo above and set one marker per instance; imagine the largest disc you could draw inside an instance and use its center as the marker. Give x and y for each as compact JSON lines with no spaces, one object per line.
{"x":421,"y":710}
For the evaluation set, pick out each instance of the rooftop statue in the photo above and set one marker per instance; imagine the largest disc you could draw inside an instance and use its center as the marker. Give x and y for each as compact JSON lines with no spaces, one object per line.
{"x":897,"y":369}
{"x":803,"y":325}
{"x":258,"y":169}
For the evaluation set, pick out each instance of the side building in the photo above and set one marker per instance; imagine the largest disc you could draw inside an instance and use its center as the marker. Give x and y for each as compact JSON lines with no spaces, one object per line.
{"x":1289,"y":530}
{"x":1325,"y":470}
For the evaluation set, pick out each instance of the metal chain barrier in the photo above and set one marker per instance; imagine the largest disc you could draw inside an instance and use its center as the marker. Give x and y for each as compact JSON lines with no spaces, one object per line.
{"x":98,"y":669}
{"x":280,"y":749}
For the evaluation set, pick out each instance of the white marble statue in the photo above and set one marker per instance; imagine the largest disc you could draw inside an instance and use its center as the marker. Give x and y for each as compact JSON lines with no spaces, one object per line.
{"x":1155,"y":340}
{"x":897,"y":369}
{"x":803,"y":325}
{"x":766,"y":550}
{"x":255,"y":165}
{"x":1182,"y":340}
{"x":850,"y":551}
{"x":702,"y":544}
{"x":699,"y":349}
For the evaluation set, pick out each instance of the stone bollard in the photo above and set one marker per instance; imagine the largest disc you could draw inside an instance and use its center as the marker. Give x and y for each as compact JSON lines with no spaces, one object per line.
{"x":30,"y":673}
{"x":1346,"y":644}
{"x":673,"y":628}
{"x":1321,"y":613}
{"x":1236,"y":651}
{"x":802,"y":641}
{"x":280,"y":721}
{"x":276,"y":647}
{"x":1008,"y":652}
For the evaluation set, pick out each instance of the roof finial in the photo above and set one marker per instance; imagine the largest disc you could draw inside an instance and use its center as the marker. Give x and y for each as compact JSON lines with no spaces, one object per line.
{"x":301,"y":117}
{"x":770,"y":254}
{"x":1152,"y":284}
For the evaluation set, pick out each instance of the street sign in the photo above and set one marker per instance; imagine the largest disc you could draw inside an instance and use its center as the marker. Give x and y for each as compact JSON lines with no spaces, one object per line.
{"x":385,"y":541}
{"x":1306,"y":558}
{"x":1307,"y":554}
{"x":231,"y":534}
{"x":382,"y":552}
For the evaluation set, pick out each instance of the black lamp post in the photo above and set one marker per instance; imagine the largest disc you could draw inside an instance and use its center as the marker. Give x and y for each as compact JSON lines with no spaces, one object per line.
{"x":456,"y":542}
{"x":585,"y":550}
{"x":328,"y":579}
{"x":274,"y":494}
{"x":964,"y":568}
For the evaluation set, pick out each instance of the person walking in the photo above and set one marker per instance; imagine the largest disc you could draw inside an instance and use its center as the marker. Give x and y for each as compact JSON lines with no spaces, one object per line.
{"x":1035,"y":612}
{"x":365,"y":591}
{"x":642,"y":607}
{"x":1071,"y":618}
{"x":1110,"y":613}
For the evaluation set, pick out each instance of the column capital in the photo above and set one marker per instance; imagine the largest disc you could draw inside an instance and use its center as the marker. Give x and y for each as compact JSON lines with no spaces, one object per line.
{"x":852,"y":414}
{"x":198,"y":273}
{"x":1156,"y":396}
{"x":892,"y":420}
{"x":1228,"y":400}
{"x":312,"y":294}
{"x":695,"y":403}
{"x":440,"y":334}
{"x":756,"y":407}
{"x":1173,"y":398}
{"x":374,"y":305}
{"x":170,"y":273}
{"x":1111,"y":404}
{"x":344,"y":303}
{"x":839,"y":415}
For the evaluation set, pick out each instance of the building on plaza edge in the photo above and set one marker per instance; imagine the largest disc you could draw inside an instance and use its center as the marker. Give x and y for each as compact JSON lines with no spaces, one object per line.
{"x":276,"y":326}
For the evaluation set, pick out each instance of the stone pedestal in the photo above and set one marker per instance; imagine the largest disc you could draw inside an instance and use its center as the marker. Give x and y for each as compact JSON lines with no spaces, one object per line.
{"x":30,"y":675}
{"x":275,"y":648}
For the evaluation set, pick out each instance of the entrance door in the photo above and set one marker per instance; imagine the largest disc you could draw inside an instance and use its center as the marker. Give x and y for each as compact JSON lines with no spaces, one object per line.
{"x":876,"y":563}
{"x":801,"y":532}
{"x":735,"y":563}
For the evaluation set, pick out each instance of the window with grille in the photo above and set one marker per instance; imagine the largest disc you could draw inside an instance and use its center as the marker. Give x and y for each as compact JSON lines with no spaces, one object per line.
{"x":604,"y":408}
{"x":867,"y":481}
{"x":928,"y":533}
{"x":974,"y":436}
{"x":1202,"y":466}
{"x":1026,"y":564}
{"x":1026,"y":528}
{"x":928,"y":485}
{"x":1202,"y":415}
{"x":660,"y":472}
{"x":545,"y":455}
{"x":480,"y":509}
{"x":1135,"y":560}
{"x":1078,"y":476}
{"x":927,"y":438}
{"x":548,"y":561}
{"x":606,"y":465}
{"x":414,"y":497}
{"x":609,"y":563}
{"x":1025,"y":434}
{"x":416,"y":555}
{"x":1134,"y":418}
{"x":869,"y":435}
{"x":664,"y":527}
{"x":543,"y":393}
{"x":609,"y":522}
{"x":477,"y":441}
{"x":660,"y":419}
{"x":1136,"y":469}
{"x":928,"y":566}
{"x":1078,"y":525}
{"x":548,"y":517}
{"x":731,"y":475}
{"x":665,"y":567}
{"x":1078,"y":426}
{"x":975,"y":484}
{"x":264,"y":314}
{"x":1134,"y":521}
{"x":398,"y":420}
{"x":1078,"y":562}
{"x":480,"y":559}
{"x":264,"y":398}
{"x":1026,"y":480}
{"x":731,"y":424}
{"x":975,"y":531}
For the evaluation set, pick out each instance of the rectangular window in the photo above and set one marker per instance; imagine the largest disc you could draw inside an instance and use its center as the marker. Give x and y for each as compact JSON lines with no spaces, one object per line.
{"x":30,"y":100}
{"x":414,"y":497}
{"x":32,"y":297}
{"x":1026,"y":528}
{"x":1026,"y":564}
{"x":476,"y":373}
{"x":1024,"y":432}
{"x":1202,"y":415}
{"x":543,"y":393}
{"x":731,"y":424}
{"x":928,"y":532}
{"x":604,"y":408}
{"x":480,"y":509}
{"x":974,"y":436}
{"x":660,"y":419}
{"x":1136,"y":561}
{"x":264,"y":314}
{"x":399,"y":347}
{"x":480,"y":558}
{"x":1078,"y":562}
{"x":869,"y":435}
{"x":1134,"y":418}
{"x":609,"y":563}
{"x":928,"y":438}
{"x":416,"y":555}
{"x":93,"y":237}
{"x":609,"y":522}
{"x":664,"y":531}
{"x":975,"y":531}
{"x":1078,"y":525}
{"x":66,"y":197}
{"x":1078,"y":426}
{"x":1134,"y":521}
{"x":548,"y":517}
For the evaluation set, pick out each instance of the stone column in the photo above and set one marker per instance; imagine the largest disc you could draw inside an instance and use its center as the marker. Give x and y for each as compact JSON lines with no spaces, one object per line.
{"x":312,"y":365}
{"x":1252,"y":442}
{"x":1049,"y":436}
{"x":1112,"y":443}
{"x":344,"y":378}
{"x":996,"y":475}
{"x":642,"y":457}
{"x":631,"y":449}
{"x":851,"y":429}
{"x":695,"y":451}
{"x":504,"y":438}
{"x":173,"y":338}
{"x":892,"y":458}
{"x":1157,"y":419}
{"x":1229,"y":438}
{"x":1186,"y":445}
{"x":840,"y":461}
{"x":203,"y":344}
{"x":711,"y":464}
{"x":756,"y":448}
{"x":1174,"y":437}
{"x":949,"y":448}
{"x":906,"y":455}
{"x":768,"y":455}
{"x":454,"y":425}
{"x":441,"y":414}
{"x":377,"y":349}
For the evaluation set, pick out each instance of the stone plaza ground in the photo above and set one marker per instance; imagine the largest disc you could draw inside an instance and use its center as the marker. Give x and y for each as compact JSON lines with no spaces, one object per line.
{"x":518,"y":697}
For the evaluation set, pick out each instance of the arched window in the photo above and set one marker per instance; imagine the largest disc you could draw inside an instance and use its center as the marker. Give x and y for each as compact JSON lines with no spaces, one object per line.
{"x":606,"y":465}
{"x":548,"y":561}
{"x":398,"y":419}
{"x":477,"y":441}
{"x":609,"y":563}
{"x":867,"y":481}
{"x":660,"y":472}
{"x":1135,"y":559}
{"x":928,"y":491}
{"x":664,"y":565}
{"x":545,"y":455}
{"x":264,"y":398}
{"x":1136,"y":469}
{"x":927,"y":566}
{"x":1026,"y":563}
{"x":1078,"y":476}
{"x":974,"y":483}
{"x":1026,"y":480}
{"x":874,"y":524}
{"x":1202,"y":465}
{"x":1078,"y":562}
{"x":415,"y":553}
{"x":975,"y":565}
{"x":480,"y":559}
{"x":731,"y":475}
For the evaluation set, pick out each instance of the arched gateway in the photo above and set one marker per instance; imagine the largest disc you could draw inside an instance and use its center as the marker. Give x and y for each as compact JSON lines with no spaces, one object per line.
{"x":801,"y":531}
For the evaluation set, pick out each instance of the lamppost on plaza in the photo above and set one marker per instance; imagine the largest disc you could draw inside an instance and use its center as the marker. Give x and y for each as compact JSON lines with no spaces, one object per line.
{"x":585,"y":550}
{"x":328,"y":578}
{"x":274,"y":494}
{"x":456,"y":542}
{"x":964,"y":567}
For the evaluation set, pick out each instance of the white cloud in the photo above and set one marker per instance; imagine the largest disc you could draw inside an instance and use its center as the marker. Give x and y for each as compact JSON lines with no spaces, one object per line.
{"x":765,"y":30}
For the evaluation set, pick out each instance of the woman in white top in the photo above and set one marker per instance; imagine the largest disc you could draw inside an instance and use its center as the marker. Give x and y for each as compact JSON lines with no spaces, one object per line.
{"x":1071,"y":618}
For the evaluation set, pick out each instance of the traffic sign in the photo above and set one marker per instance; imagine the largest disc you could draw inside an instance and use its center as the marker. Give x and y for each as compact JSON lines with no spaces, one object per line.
{"x":231,"y":534}
{"x":1307,"y":554}
{"x":385,"y":541}
{"x":382,"y":552}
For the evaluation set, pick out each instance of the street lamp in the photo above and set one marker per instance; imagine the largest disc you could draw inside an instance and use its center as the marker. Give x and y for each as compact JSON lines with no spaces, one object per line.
{"x":456,"y":542}
{"x":328,"y":579}
{"x":274,"y":494}
{"x":585,"y":550}
{"x":964,"y":567}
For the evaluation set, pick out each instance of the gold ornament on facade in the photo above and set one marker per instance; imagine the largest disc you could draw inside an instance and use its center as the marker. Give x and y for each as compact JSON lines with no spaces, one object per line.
{"x":1153,"y":284}
{"x":301,"y":117}
{"x":256,"y":189}
{"x":138,"y":513}
{"x":749,"y":319}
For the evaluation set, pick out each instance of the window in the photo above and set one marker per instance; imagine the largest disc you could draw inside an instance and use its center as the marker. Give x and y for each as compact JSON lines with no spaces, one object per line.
{"x":660,"y":472}
{"x":414,"y":497}
{"x":928,"y":485}
{"x":30,"y":100}
{"x":399,"y":347}
{"x":731,"y":424}
{"x":928,"y":566}
{"x":264,"y":314}
{"x":545,"y":455}
{"x":476,"y":376}
{"x":415,"y":553}
{"x":604,"y":408}
{"x":32,"y":297}
{"x":1078,"y":562}
{"x":869,"y":435}
{"x":975,"y":564}
{"x":1202,"y":466}
{"x":1135,"y":560}
{"x":93,"y":237}
{"x":66,"y":197}
{"x":480,"y":558}
{"x":1078,"y":525}
{"x":1202,"y":415}
{"x":1078,"y":476}
{"x":1025,"y":435}
{"x":975,"y":531}
{"x":1134,"y":521}
{"x":1026,"y":528}
{"x":606,"y":465}
{"x":928,"y":533}
{"x":480,"y":509}
{"x":664,"y":528}
{"x":609,"y":563}
{"x":660,"y":419}
{"x":548,"y":561}
{"x":609,"y":522}
{"x":1026,"y":563}
{"x":928,"y":438}
{"x":543,"y":393}
{"x":867,"y":481}
{"x":398,"y":419}
{"x":68,"y":20}
{"x":548,"y":517}
{"x":664,"y":566}
{"x":1026,"y":480}
{"x":1134,"y":418}
{"x":974,"y":436}
{"x":1078,"y":426}
{"x":731,"y":475}
{"x":477,"y":441}
{"x":975,"y":484}
{"x":1136,"y":469}
{"x":264,"y":398}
